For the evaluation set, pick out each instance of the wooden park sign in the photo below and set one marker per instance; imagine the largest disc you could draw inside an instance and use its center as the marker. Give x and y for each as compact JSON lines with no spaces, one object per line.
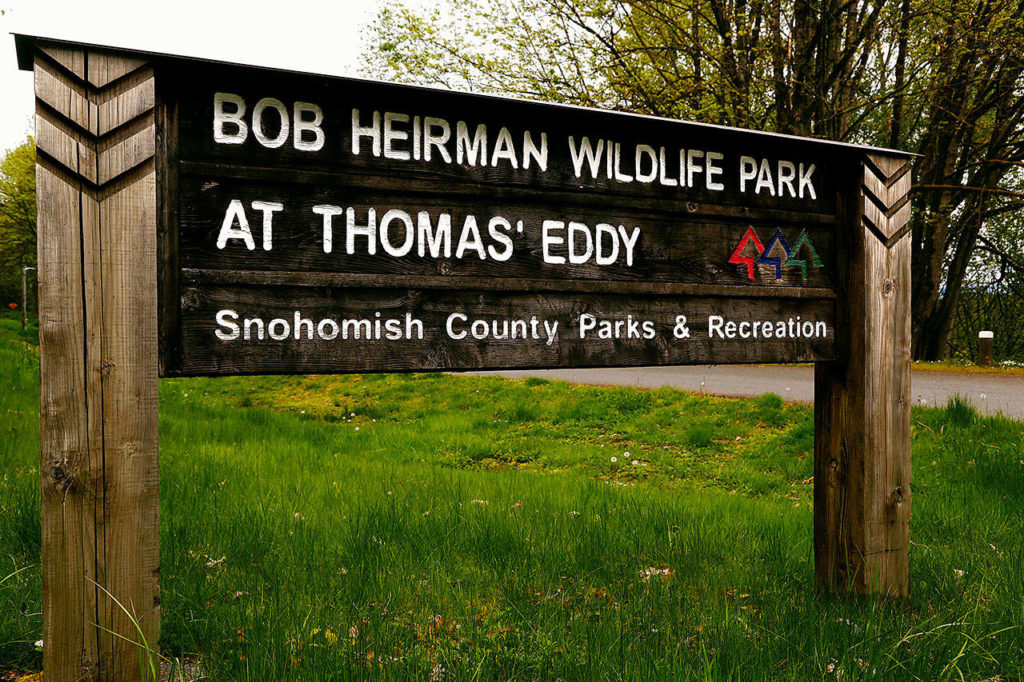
{"x":201,"y":218}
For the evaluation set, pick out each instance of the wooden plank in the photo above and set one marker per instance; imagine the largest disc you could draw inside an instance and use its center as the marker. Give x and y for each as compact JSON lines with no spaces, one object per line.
{"x":338,"y":99}
{"x":65,"y":96}
{"x":126,"y":101}
{"x":128,"y":368}
{"x":192,"y":276}
{"x":169,"y":270}
{"x":70,"y":58}
{"x":862,"y":415}
{"x":428,"y":183}
{"x":430,"y":346}
{"x":97,"y":271}
{"x":68,"y":483}
{"x":105,"y":67}
{"x":668,"y":248}
{"x":126,"y":151}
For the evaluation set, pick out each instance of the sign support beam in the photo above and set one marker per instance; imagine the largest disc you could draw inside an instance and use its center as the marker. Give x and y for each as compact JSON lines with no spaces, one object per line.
{"x":98,"y":363}
{"x":862,"y":399}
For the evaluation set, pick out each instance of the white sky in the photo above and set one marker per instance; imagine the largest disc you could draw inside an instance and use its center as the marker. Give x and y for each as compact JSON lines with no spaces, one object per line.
{"x":320,"y":36}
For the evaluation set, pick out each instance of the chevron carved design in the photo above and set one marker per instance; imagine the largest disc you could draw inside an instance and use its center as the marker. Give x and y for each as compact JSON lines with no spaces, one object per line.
{"x":886,"y":193}
{"x":94,"y":116}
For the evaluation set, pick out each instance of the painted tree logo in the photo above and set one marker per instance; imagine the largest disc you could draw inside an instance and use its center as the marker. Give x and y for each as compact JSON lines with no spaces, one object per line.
{"x":777,"y":253}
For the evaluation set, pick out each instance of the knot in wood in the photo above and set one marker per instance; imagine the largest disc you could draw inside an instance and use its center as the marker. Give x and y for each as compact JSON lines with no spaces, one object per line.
{"x":898,"y":494}
{"x":889,"y":287}
{"x":106,"y":367}
{"x":444,"y":268}
{"x":832,"y":464}
{"x":190,"y":299}
{"x":62,"y":471}
{"x":692,"y":206}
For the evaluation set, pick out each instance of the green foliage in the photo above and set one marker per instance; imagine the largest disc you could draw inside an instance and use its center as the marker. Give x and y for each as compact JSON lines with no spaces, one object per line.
{"x":17,"y":218}
{"x":412,"y":526}
{"x":960,"y":412}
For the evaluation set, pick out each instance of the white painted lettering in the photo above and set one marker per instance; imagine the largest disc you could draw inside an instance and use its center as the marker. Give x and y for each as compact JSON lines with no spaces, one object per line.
{"x":391,"y":135}
{"x":643,"y":150}
{"x":713,"y":170}
{"x":258,"y":130}
{"x":748,"y":171}
{"x":226,"y":319}
{"x":268,"y":208}
{"x":371,"y":131}
{"x":305,"y":125}
{"x":497,"y":228}
{"x":548,"y":240}
{"x":471,"y":149}
{"x":470,"y":239}
{"x":805,"y":181}
{"x":235,"y":214}
{"x":531,"y":151}
{"x":223,"y":118}
{"x":586,"y":153}
{"x":385,"y":235}
{"x":432,"y":140}
{"x":435,"y":241}
{"x":629,"y":239}
{"x":578,"y":258}
{"x":369,"y":230}
{"x":328,"y":212}
{"x":504,"y":149}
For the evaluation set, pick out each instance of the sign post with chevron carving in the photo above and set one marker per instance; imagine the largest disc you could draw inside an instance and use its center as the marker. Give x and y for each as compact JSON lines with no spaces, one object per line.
{"x":202,"y":218}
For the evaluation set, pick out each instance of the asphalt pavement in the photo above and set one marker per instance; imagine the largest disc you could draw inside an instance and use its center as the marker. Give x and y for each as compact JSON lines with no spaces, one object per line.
{"x":987,"y":392}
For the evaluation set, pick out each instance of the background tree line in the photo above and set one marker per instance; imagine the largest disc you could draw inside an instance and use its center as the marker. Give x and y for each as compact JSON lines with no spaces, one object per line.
{"x":17,"y":220}
{"x":943,"y":78}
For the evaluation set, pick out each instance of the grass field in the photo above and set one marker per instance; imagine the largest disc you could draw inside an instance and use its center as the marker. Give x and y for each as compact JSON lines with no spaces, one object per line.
{"x":441,"y":527}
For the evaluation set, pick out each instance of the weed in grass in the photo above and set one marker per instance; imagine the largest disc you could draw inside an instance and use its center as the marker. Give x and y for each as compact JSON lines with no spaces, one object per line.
{"x":959,"y":411}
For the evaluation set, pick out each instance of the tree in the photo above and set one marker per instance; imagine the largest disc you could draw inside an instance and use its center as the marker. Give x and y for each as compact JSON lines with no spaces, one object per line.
{"x":17,"y":218}
{"x":942,"y":78}
{"x":971,"y":134}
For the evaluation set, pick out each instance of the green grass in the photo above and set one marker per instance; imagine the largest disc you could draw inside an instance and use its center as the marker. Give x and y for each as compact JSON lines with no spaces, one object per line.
{"x":323,"y":528}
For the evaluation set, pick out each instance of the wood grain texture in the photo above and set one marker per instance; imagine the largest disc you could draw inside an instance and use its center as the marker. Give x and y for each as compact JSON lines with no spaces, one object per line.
{"x":168,"y":263}
{"x":199,"y":277}
{"x":98,"y":348}
{"x":437,"y":350}
{"x":862,"y":417}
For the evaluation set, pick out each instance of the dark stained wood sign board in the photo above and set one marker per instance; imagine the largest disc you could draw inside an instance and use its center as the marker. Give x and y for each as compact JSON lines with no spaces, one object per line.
{"x":201,"y":218}
{"x":335,"y":225}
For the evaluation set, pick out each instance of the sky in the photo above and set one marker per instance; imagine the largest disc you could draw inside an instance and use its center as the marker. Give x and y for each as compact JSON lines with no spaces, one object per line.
{"x":319,"y":36}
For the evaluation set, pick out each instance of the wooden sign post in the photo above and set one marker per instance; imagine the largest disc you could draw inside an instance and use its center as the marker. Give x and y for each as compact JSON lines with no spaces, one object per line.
{"x":200,"y":218}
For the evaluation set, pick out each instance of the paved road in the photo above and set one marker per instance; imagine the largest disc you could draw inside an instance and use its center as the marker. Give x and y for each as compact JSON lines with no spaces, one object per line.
{"x":988,"y":392}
